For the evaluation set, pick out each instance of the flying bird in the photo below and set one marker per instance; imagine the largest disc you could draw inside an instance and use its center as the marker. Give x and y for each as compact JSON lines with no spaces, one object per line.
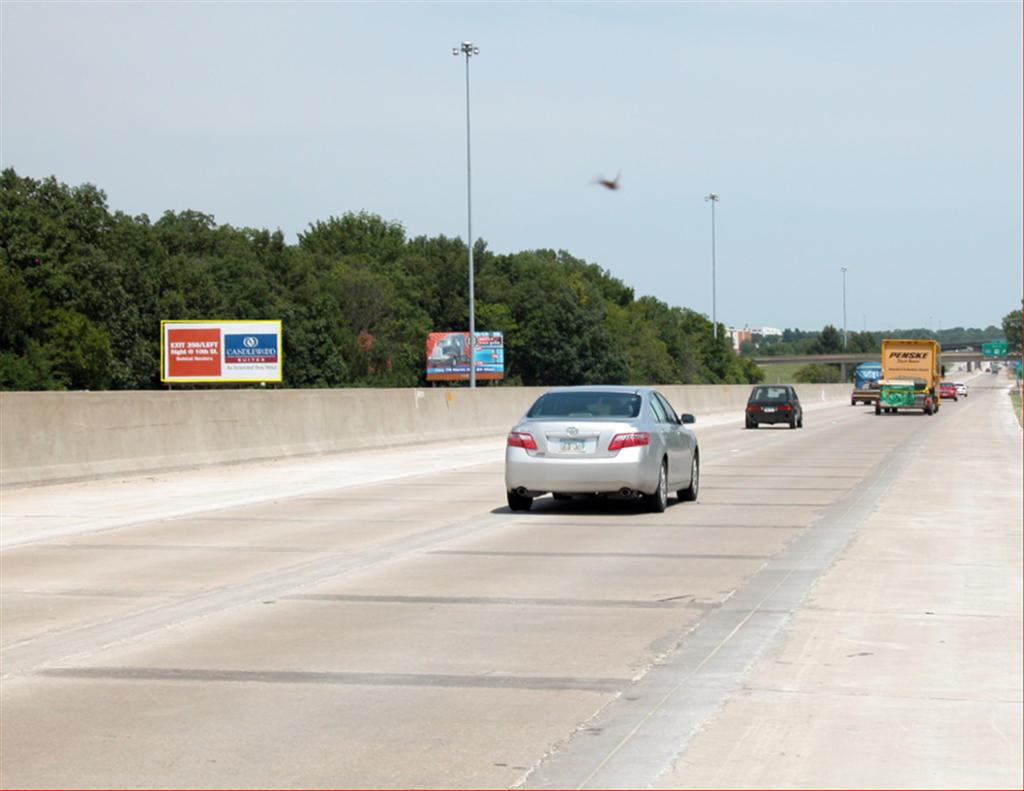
{"x":612,"y":185}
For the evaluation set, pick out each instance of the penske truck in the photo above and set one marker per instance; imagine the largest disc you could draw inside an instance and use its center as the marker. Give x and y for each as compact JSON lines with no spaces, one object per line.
{"x":910,"y":376}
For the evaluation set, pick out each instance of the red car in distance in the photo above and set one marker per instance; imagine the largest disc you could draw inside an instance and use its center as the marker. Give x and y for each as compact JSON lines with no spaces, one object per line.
{"x":947,"y":390}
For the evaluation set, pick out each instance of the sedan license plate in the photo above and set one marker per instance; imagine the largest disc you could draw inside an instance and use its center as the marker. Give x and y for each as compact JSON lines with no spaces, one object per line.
{"x":769,"y":409}
{"x":573,"y":446}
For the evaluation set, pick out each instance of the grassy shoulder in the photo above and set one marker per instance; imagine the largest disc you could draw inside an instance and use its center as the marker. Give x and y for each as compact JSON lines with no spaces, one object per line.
{"x":781,"y":373}
{"x":1015,"y":398}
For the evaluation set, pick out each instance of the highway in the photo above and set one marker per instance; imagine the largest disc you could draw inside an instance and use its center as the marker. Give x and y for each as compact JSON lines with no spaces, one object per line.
{"x":841,"y":608}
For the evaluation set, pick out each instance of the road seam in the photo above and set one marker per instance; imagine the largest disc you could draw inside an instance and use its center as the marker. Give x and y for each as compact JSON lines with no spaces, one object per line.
{"x":640,"y":735}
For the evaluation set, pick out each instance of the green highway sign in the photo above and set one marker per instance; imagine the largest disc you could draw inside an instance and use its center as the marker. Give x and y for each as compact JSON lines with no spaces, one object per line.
{"x":994,"y":349}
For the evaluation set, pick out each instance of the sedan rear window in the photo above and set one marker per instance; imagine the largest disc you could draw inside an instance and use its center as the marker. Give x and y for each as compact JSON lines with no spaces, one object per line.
{"x":770,"y":394}
{"x":586,"y":404}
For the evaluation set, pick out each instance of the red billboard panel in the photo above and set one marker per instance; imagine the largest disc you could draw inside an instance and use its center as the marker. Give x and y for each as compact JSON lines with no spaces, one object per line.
{"x":193,"y":353}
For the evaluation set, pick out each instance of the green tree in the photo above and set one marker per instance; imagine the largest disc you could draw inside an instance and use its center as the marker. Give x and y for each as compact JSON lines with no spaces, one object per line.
{"x":1012,"y":329}
{"x":29,"y":370}
{"x":647,"y":357}
{"x":830,"y":341}
{"x":863,"y":342}
{"x":79,"y":352}
{"x":354,"y":234}
{"x":817,"y":373}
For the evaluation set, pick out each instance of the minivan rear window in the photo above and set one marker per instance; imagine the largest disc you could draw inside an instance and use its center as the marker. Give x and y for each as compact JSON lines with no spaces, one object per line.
{"x":592,"y":404}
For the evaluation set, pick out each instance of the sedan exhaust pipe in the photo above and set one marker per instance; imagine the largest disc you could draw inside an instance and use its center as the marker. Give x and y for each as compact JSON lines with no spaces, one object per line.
{"x":625,"y":491}
{"x":521,"y":491}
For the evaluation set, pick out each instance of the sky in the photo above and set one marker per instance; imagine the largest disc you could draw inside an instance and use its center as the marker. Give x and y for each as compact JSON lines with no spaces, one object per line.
{"x":881,"y":137}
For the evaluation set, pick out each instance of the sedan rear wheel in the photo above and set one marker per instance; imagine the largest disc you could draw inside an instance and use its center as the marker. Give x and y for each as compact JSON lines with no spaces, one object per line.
{"x":657,"y":502}
{"x":519,"y":502}
{"x":690,"y":493}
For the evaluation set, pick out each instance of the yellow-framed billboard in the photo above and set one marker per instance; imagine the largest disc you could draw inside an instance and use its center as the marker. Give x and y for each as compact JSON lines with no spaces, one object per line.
{"x":227,"y":351}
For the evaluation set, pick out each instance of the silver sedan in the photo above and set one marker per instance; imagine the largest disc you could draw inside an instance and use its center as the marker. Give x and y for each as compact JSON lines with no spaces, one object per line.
{"x":602,"y":440}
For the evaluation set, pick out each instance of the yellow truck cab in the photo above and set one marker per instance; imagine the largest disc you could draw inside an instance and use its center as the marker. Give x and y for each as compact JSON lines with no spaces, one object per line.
{"x":910,"y":376}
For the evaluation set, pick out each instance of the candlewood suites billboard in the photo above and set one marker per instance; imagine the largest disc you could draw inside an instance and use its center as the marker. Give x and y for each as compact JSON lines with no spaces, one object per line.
{"x":220,"y":351}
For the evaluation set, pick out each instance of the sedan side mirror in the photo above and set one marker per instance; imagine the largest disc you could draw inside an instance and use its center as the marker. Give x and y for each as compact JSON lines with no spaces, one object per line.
{"x":688,"y":418}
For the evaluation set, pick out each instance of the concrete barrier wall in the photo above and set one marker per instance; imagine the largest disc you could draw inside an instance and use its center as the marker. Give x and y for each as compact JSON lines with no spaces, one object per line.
{"x":48,"y":437}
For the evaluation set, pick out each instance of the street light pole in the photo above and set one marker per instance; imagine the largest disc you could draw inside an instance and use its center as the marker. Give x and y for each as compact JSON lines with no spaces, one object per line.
{"x":469,"y":51}
{"x":713,"y":199}
{"x":846,"y":335}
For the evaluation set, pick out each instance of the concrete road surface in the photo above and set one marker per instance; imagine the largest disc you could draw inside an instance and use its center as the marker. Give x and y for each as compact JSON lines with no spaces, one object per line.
{"x":841,"y":607}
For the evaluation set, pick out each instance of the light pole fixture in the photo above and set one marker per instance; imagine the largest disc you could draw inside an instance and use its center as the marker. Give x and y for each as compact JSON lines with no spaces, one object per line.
{"x":713,"y":199}
{"x":467,"y":49}
{"x":846,"y":336}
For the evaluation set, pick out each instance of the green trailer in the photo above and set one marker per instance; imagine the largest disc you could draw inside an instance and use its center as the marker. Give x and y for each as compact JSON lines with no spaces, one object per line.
{"x":897,"y":394}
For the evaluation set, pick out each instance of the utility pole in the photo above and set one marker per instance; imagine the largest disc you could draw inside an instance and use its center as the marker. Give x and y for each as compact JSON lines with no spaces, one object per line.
{"x":469,"y":51}
{"x":712,"y":198}
{"x":846,"y":335}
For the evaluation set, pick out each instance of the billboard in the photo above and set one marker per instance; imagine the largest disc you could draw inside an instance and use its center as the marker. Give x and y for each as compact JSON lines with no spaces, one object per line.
{"x":220,"y":351}
{"x":448,"y":356}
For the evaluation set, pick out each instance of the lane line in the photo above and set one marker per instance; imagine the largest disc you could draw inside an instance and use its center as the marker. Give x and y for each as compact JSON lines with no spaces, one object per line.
{"x":682,"y":602}
{"x":349,"y":678}
{"x":597,"y":555}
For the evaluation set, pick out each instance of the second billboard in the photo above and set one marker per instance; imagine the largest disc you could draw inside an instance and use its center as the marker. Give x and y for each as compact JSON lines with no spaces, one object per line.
{"x":448,"y":356}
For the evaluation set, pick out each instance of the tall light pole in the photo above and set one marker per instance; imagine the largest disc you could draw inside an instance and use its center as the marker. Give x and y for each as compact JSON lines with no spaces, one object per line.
{"x":713,"y":198}
{"x":469,"y":51}
{"x":846,"y":335}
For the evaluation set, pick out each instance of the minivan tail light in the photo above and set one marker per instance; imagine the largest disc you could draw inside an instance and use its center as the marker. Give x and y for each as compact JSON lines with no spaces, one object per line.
{"x":520,"y":439}
{"x":632,"y":440}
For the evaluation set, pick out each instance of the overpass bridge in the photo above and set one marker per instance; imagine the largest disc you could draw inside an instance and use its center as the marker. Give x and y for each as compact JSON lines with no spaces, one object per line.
{"x":972,"y":357}
{"x":863,"y":357}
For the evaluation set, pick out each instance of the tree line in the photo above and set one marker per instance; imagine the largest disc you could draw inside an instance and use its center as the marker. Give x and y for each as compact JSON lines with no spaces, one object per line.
{"x":83,"y":291}
{"x":829,"y":340}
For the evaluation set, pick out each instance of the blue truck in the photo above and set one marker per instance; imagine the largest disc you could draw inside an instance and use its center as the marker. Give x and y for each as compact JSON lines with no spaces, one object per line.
{"x":865,"y":383}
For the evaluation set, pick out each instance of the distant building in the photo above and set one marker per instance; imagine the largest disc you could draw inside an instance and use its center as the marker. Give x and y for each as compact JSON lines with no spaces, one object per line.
{"x":739,"y":336}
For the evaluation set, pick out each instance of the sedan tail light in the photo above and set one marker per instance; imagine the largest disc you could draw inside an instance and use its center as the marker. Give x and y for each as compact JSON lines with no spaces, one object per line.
{"x":785,"y":407}
{"x":753,"y":408}
{"x":520,"y":439}
{"x":632,"y":440}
